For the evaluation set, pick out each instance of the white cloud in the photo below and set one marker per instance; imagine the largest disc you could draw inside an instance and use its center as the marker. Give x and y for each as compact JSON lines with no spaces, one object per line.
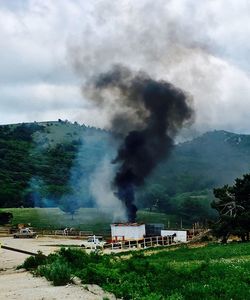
{"x":200,"y":46}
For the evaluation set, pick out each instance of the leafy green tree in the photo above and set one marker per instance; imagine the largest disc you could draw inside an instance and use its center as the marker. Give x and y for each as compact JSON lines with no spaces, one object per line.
{"x":233,"y":206}
{"x":155,"y":198}
{"x":69,"y":205}
{"x":193,"y":210}
{"x":5,"y":217}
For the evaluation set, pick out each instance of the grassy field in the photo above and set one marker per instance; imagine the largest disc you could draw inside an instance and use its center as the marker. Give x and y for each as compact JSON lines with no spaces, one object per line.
{"x":89,"y":219}
{"x":210,"y":272}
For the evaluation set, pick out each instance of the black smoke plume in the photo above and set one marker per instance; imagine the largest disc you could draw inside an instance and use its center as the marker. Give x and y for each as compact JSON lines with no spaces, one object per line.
{"x":148,"y":113}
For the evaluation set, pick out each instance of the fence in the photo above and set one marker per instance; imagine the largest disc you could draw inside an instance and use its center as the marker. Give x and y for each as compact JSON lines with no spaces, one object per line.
{"x":69,"y":233}
{"x":5,"y":231}
{"x":143,"y":243}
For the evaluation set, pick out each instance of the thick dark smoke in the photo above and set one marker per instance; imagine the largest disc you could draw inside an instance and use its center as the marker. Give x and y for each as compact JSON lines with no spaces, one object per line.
{"x":148,"y":113}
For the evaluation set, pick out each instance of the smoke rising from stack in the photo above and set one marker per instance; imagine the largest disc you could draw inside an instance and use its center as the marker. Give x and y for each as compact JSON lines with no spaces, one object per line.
{"x":147,"y":114}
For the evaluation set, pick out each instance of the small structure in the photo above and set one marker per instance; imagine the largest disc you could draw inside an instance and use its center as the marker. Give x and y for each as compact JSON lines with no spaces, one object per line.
{"x":154,"y":229}
{"x":180,"y":235}
{"x":127,"y":231}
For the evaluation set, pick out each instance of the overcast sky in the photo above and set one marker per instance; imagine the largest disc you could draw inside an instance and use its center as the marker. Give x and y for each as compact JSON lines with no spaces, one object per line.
{"x":49,"y":48}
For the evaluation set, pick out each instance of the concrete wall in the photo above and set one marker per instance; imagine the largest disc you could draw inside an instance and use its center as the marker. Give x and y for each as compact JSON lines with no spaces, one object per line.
{"x":126,"y":232}
{"x":181,"y":235}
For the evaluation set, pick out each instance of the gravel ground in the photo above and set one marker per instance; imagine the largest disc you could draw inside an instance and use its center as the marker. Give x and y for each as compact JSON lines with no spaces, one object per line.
{"x":23,"y":286}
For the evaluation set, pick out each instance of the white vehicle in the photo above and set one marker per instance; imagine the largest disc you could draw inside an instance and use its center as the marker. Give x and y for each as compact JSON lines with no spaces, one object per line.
{"x":25,"y":233}
{"x":94,"y":242}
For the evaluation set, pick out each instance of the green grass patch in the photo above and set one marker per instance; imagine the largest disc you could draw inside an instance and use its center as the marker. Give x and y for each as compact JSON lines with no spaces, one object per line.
{"x":211,"y":272}
{"x":155,"y":217}
{"x":88,"y":219}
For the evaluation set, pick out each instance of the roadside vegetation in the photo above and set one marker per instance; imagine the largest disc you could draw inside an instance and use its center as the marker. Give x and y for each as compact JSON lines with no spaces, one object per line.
{"x":210,"y":272}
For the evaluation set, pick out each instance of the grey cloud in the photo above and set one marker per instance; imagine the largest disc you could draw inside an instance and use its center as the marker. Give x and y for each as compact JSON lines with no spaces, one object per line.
{"x":40,"y":101}
{"x":200,"y":46}
{"x":175,"y":41}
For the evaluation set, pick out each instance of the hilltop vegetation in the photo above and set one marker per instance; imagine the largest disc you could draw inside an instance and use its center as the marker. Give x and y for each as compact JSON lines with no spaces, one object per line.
{"x":41,"y":163}
{"x":50,"y":164}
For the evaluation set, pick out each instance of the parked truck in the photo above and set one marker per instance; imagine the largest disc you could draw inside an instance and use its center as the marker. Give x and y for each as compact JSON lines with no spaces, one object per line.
{"x":94,"y":242}
{"x":25,"y":233}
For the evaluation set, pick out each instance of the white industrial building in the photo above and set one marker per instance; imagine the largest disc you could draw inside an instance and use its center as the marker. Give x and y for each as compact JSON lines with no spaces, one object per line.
{"x":180,"y":235}
{"x":129,"y":231}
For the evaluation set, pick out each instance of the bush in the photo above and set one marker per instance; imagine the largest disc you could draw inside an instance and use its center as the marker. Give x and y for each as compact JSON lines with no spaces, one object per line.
{"x":78,"y":259}
{"x":33,"y":262}
{"x":93,"y":274}
{"x":58,"y":272}
{"x":211,"y":272}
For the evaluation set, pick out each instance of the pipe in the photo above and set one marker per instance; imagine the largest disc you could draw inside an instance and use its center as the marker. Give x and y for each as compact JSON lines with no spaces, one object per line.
{"x":18,"y":250}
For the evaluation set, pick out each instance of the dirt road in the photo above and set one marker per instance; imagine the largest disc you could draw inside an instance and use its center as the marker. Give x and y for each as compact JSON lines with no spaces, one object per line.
{"x":23,"y":286}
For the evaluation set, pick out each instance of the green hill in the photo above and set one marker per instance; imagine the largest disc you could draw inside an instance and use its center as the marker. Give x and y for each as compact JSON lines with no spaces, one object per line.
{"x":210,"y":160}
{"x":41,"y":163}
{"x":183,"y":184}
{"x":39,"y":160}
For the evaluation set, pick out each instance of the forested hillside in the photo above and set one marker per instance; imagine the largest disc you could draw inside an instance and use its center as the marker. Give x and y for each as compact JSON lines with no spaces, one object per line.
{"x":40,"y":161}
{"x":50,"y":163}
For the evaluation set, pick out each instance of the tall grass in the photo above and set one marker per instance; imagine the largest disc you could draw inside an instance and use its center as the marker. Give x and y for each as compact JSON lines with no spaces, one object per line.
{"x":212,"y":272}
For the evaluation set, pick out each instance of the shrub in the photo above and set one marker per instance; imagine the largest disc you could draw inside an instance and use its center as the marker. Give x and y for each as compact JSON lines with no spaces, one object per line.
{"x":153,"y":296}
{"x":175,"y":296}
{"x":93,"y":274}
{"x":33,"y":262}
{"x":76,"y":258}
{"x":212,"y":272}
{"x":58,"y":272}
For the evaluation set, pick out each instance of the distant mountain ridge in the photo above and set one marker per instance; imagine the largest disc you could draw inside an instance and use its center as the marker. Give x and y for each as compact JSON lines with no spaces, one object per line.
{"x":212,"y":159}
{"x":47,"y":160}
